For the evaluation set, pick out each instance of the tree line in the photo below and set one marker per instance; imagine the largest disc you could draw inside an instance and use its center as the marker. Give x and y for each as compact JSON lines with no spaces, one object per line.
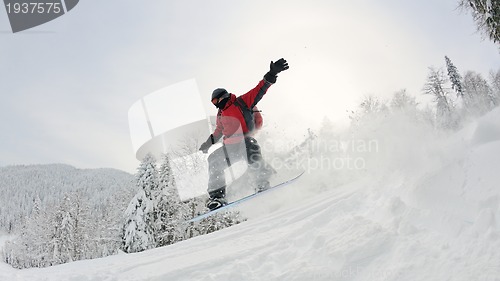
{"x":74,"y":229}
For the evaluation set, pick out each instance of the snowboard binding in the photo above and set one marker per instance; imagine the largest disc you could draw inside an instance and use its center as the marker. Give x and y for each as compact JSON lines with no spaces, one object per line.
{"x":216,"y":203}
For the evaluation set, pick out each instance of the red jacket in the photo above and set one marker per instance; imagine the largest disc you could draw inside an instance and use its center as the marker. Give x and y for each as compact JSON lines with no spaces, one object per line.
{"x":230,"y":121}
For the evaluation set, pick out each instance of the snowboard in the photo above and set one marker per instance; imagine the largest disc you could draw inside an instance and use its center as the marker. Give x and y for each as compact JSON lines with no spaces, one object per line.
{"x":246,"y":198}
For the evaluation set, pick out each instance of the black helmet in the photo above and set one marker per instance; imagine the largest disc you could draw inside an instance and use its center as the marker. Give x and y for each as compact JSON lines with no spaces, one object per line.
{"x":220,"y":97}
{"x":219,"y":93}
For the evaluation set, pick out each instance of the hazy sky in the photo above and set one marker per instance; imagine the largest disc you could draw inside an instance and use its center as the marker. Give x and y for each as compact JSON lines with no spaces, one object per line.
{"x":67,"y":85}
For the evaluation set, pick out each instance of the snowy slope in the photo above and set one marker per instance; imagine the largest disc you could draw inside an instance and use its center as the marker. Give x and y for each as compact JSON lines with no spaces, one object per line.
{"x":427,"y":207}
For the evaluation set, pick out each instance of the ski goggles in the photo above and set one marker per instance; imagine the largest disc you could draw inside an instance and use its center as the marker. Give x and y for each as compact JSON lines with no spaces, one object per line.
{"x":216,"y":101}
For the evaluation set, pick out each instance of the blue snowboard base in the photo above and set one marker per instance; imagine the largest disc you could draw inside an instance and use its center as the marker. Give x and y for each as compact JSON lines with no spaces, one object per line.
{"x":234,"y":203}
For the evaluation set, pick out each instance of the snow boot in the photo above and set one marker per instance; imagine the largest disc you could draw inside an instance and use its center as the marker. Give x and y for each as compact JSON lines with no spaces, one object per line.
{"x":216,"y":203}
{"x":216,"y":198}
{"x":262,"y":186}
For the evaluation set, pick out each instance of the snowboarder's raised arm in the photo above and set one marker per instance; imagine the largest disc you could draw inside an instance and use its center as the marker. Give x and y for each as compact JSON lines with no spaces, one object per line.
{"x":255,"y":95}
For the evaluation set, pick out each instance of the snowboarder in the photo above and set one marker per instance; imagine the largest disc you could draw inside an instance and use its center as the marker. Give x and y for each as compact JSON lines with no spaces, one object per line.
{"x":237,"y":120}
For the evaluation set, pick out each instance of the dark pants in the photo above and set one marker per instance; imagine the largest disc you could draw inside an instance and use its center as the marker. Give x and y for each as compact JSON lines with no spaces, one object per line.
{"x":218,"y":162}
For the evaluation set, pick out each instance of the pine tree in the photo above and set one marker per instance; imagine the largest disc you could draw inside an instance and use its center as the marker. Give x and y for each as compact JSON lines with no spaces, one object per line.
{"x":401,"y":100}
{"x":105,"y":232}
{"x":193,"y":207}
{"x":372,"y":104}
{"x":29,"y":249}
{"x":139,"y":229}
{"x":171,"y":212}
{"x":435,"y":86}
{"x":495,"y":85}
{"x":486,"y":14}
{"x":455,"y":78}
{"x":478,"y":94}
{"x":64,"y":231}
{"x":138,"y":235}
{"x":82,"y":231}
{"x":67,"y":226}
{"x":37,"y":203}
{"x":220,"y":221}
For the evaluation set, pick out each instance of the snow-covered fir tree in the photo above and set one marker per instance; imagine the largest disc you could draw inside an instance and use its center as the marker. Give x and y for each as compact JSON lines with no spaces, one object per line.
{"x":21,"y":184}
{"x":455,"y":78}
{"x":436,"y":87}
{"x":137,"y":234}
{"x":29,"y":249}
{"x":139,"y":229}
{"x":369,"y":108}
{"x":70,"y":232}
{"x":70,"y":214}
{"x":495,"y":86}
{"x":478,"y":95}
{"x":58,"y":235}
{"x":401,"y":100}
{"x":64,"y":235}
{"x":194,"y":207}
{"x":220,"y":221}
{"x":171,"y":213}
{"x":486,"y":14}
{"x":372,"y":104}
{"x":106,"y":230}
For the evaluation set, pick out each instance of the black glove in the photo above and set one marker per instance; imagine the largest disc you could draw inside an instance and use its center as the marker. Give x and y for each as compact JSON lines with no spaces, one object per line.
{"x":275,"y":68}
{"x":278,"y":66}
{"x":207,"y":144}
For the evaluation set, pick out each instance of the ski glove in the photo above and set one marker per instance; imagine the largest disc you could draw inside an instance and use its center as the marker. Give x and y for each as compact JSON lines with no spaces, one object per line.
{"x":278,"y":66}
{"x":207,"y":144}
{"x":275,"y":68}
